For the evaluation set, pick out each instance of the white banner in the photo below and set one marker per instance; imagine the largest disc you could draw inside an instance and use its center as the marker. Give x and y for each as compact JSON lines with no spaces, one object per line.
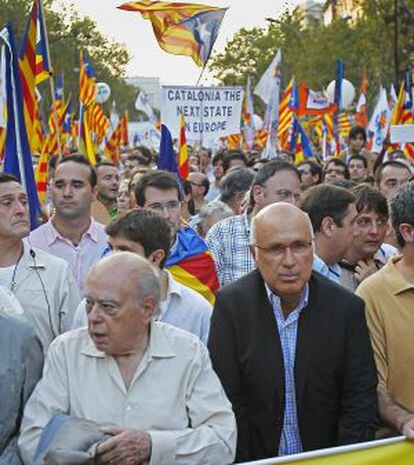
{"x":402,"y":133}
{"x":209,"y":112}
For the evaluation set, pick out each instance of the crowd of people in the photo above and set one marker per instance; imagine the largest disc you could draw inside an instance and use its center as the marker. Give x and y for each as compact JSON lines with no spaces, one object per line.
{"x":259,"y":308}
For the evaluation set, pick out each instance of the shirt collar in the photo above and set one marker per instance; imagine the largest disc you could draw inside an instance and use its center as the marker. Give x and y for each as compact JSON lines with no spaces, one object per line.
{"x":173,"y":288}
{"x":303,"y":300}
{"x":332,"y":272}
{"x":394,"y":278}
{"x":52,"y":233}
{"x":158,"y":347}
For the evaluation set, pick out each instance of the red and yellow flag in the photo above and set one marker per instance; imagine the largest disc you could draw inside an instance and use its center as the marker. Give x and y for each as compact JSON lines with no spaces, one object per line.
{"x":183,"y":165}
{"x":172,"y":34}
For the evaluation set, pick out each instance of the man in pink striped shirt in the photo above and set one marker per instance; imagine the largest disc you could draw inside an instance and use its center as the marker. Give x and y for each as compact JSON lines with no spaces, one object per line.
{"x":72,"y":233}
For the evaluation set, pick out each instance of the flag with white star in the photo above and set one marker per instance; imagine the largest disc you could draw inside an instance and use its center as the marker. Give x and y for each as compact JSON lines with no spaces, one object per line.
{"x":205,"y":27}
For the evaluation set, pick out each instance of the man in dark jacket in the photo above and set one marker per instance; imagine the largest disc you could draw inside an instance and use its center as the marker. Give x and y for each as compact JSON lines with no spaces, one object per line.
{"x":292,"y":348}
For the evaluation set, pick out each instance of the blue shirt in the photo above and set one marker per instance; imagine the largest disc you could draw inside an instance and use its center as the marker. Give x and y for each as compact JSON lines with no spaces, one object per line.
{"x":332,"y":272}
{"x":290,"y":440}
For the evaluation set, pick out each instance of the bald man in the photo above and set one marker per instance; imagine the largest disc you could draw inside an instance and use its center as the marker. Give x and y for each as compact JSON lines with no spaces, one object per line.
{"x":151,"y":381}
{"x":292,"y":348}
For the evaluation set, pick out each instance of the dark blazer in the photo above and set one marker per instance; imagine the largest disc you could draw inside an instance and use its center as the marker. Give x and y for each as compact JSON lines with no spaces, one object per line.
{"x":334,"y":367}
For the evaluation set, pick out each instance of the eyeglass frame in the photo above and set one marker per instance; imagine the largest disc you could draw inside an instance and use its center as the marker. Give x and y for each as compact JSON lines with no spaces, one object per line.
{"x":270,"y":250}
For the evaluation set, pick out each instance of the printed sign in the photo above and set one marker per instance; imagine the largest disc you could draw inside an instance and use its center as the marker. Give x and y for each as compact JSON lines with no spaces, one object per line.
{"x":209,"y":112}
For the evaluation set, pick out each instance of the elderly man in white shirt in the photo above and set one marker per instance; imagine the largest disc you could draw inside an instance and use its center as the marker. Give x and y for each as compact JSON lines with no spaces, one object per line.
{"x":152,"y":381}
{"x":147,"y":234}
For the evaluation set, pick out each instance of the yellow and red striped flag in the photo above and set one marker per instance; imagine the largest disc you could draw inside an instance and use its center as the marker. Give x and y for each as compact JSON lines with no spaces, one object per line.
{"x":124,"y":130}
{"x":183,"y":164}
{"x":176,"y":26}
{"x":344,"y":124}
{"x":34,"y":64}
{"x":234,"y":141}
{"x":87,"y":81}
{"x":286,"y":110}
{"x":41,"y":174}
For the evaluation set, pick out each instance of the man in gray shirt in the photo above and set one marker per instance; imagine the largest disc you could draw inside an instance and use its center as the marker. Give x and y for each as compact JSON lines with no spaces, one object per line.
{"x":20,"y":368}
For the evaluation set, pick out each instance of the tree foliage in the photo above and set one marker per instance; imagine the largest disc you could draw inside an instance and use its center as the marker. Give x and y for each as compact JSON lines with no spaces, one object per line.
{"x":310,"y":53}
{"x":69,"y":34}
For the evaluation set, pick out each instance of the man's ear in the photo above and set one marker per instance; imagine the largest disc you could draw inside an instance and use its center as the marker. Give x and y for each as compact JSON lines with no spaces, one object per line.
{"x":407,"y":232}
{"x":253,"y":251}
{"x":95,"y":192}
{"x":327,"y":226}
{"x":157,"y":257}
{"x":257,"y":193}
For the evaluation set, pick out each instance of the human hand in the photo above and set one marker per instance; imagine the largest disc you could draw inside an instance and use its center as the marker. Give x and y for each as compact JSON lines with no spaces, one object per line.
{"x":127,"y":447}
{"x":365,"y":268}
{"x":408,"y":428}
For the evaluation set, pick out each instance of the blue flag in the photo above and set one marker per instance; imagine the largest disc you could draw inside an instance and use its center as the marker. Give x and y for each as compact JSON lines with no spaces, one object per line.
{"x":167,"y":159}
{"x":17,"y":156}
{"x":205,"y":27}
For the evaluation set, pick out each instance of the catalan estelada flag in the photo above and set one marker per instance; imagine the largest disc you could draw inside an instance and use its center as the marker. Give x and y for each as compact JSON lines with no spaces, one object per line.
{"x":87,"y":81}
{"x":182,"y":28}
{"x":183,"y":165}
{"x":191,"y":263}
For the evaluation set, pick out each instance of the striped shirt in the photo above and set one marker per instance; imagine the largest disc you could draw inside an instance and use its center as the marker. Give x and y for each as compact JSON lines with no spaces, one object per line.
{"x":229,"y":242}
{"x":290,"y":440}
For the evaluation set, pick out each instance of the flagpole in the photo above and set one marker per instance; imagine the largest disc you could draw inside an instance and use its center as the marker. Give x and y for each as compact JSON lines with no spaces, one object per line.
{"x":52,"y":85}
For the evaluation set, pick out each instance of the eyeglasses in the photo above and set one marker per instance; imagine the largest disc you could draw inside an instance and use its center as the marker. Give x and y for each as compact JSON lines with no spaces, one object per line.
{"x":196,"y":184}
{"x":284,"y":194}
{"x":278,"y":250}
{"x":159,"y":207}
{"x":302,"y":172}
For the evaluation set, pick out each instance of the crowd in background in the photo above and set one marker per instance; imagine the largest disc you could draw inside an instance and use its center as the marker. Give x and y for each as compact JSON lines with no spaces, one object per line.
{"x":291,"y":285}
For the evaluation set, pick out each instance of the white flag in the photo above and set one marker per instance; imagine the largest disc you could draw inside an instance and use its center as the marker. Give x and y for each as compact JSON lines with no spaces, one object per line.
{"x":380,"y":119}
{"x":270,"y":81}
{"x":142,"y":104}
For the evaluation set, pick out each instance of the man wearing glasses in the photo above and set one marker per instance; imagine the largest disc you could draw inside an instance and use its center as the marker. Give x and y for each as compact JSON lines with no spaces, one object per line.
{"x":276,"y":181}
{"x":291,"y":348}
{"x":189,"y":261}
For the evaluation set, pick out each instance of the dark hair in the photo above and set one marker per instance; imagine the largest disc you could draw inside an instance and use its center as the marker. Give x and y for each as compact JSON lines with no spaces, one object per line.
{"x":238,"y":180}
{"x":401,"y":206}
{"x":345,"y":183}
{"x":105,"y":163}
{"x":206,"y":184}
{"x":356,"y":131}
{"x":233,"y":155}
{"x":337,"y":162}
{"x":269,"y":169}
{"x":394,"y":163}
{"x":324,"y":201}
{"x":81,"y":160}
{"x":370,"y":199}
{"x":358,"y":157}
{"x":6,"y":177}
{"x":162,"y":180}
{"x":315,"y":168}
{"x":146,"y":228}
{"x":219,"y":156}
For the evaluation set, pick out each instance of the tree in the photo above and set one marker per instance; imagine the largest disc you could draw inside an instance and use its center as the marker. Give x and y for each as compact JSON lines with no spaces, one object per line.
{"x":69,"y":34}
{"x":310,"y":53}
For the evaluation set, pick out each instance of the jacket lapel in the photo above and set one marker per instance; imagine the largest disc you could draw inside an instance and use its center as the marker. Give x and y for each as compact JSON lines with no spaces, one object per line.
{"x":271,"y":347}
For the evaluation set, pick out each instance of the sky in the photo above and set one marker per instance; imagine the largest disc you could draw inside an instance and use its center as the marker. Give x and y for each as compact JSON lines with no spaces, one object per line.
{"x":148,"y":59}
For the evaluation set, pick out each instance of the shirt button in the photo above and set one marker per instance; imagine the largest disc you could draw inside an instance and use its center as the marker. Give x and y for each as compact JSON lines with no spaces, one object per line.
{"x":128,"y":408}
